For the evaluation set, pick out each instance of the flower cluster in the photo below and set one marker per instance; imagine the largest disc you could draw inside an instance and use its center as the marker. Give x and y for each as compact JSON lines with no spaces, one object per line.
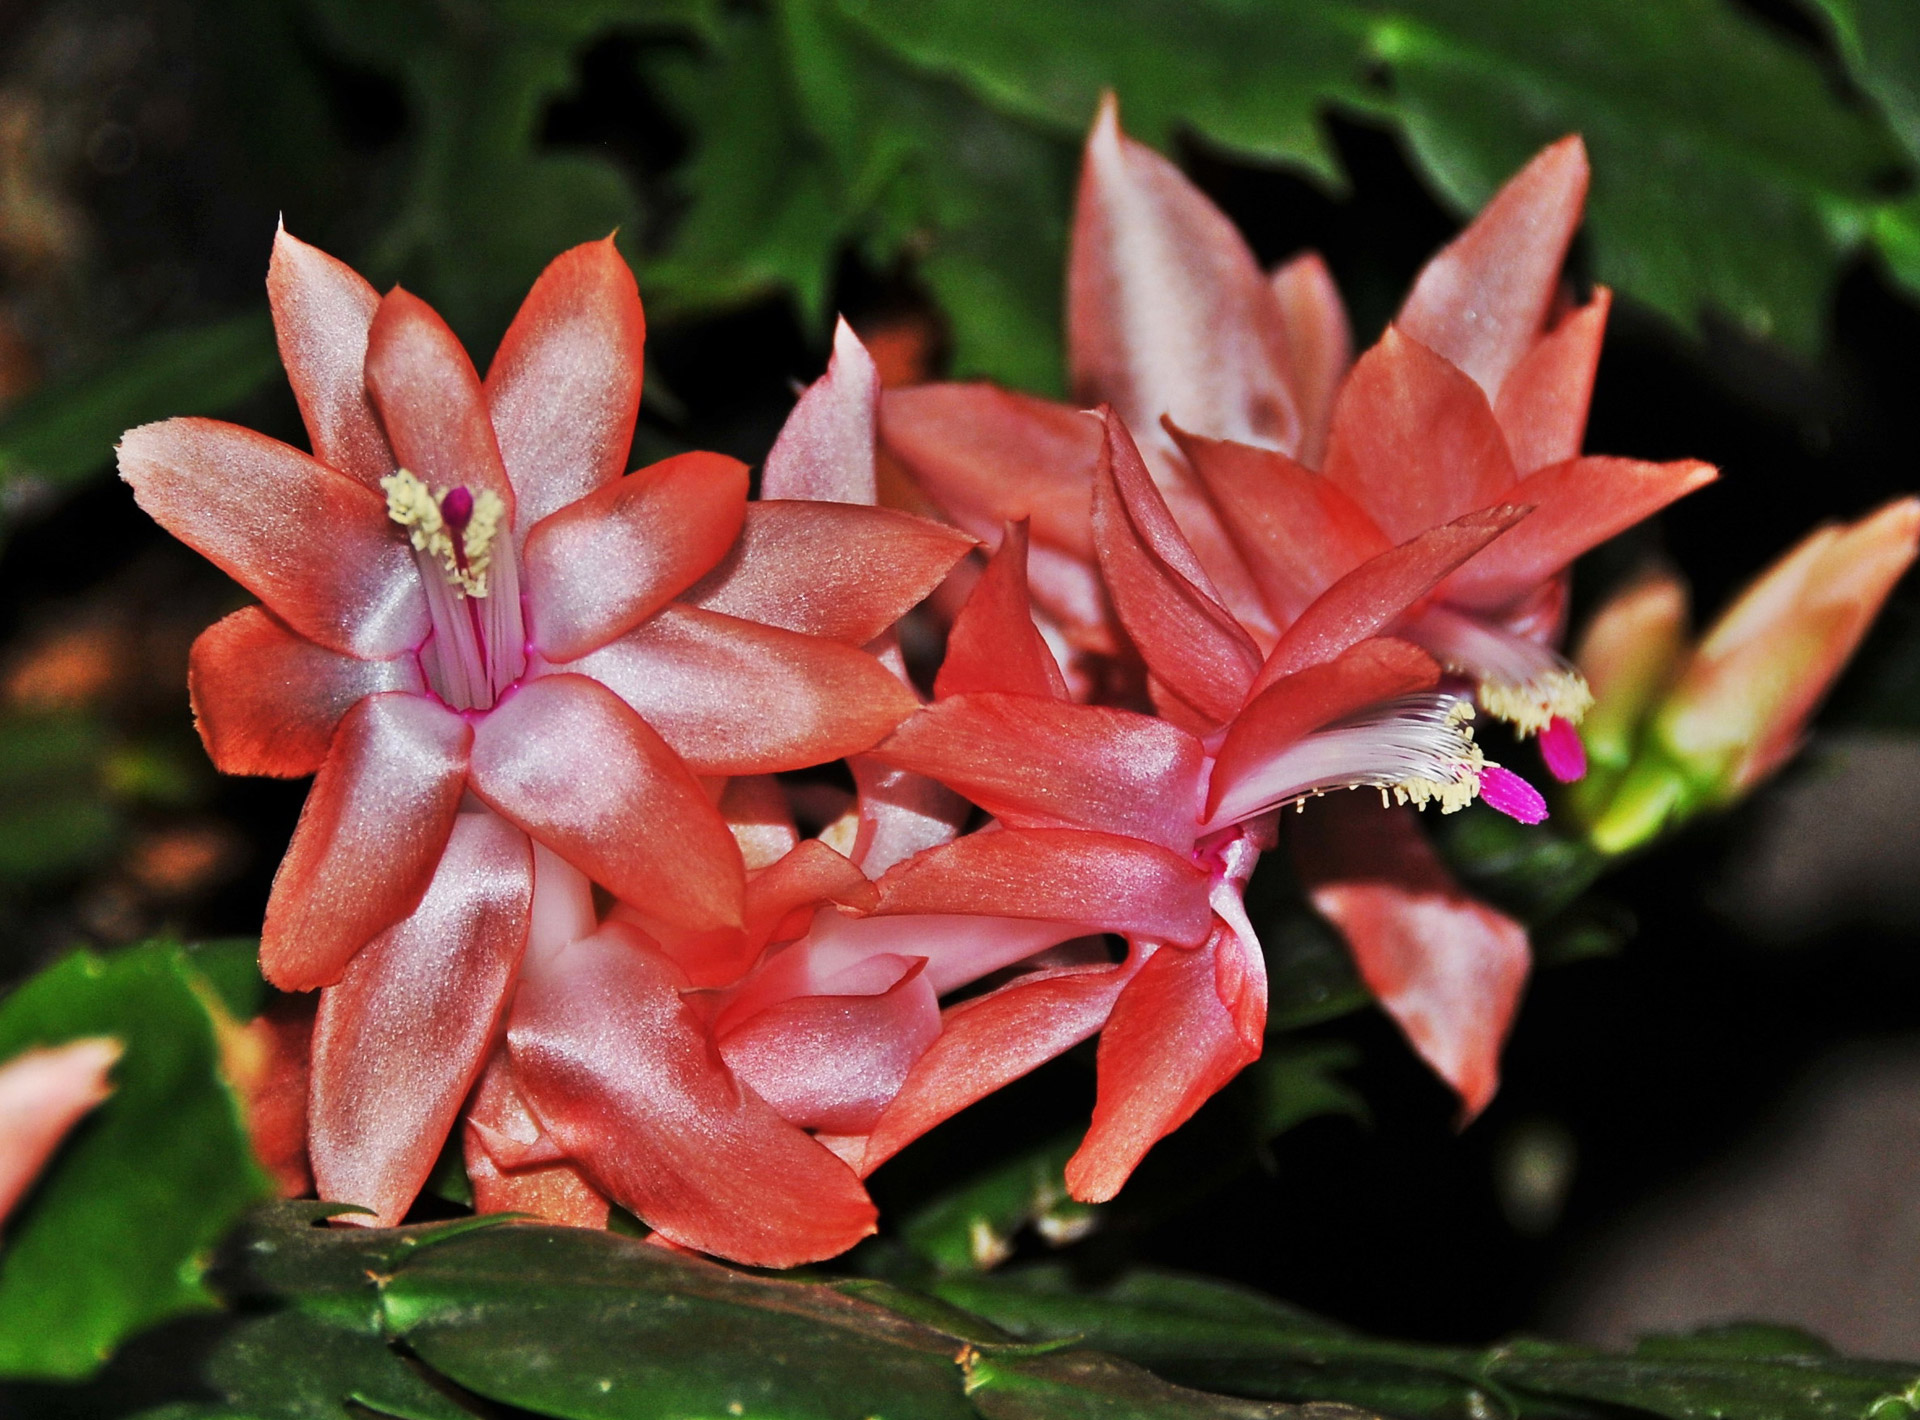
{"x":551,"y":890}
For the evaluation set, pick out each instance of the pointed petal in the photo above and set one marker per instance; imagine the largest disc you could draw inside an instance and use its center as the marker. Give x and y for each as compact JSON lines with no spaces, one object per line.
{"x":991,"y":1041}
{"x":1298,"y":532}
{"x":568,"y":761}
{"x":1414,"y":440}
{"x":266,"y":701}
{"x":1381,"y":590}
{"x":1101,"y":881}
{"x":994,"y":644}
{"x":833,"y":1062}
{"x":1319,"y":346}
{"x":1543,"y":404}
{"x":1165,"y":601}
{"x":403,"y":1035}
{"x":43,"y":1094}
{"x":1185,"y":1025}
{"x":430,"y":401}
{"x":321,"y":311}
{"x":312,"y":544}
{"x":825,"y":449}
{"x":1484,"y":298}
{"x":625,"y":1079}
{"x":1577,"y":505}
{"x":1374,"y":670}
{"x":1167,"y":311}
{"x":830,"y":569}
{"x":1447,"y":968}
{"x":604,"y":563}
{"x":555,"y":1192}
{"x":373,"y":826}
{"x":564,"y":388}
{"x":1045,"y":762}
{"x":735,"y":697}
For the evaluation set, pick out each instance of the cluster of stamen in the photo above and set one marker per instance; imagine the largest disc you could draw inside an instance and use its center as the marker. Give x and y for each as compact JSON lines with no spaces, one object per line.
{"x":1530,"y":706}
{"x":454,"y":526}
{"x":1515,"y":679}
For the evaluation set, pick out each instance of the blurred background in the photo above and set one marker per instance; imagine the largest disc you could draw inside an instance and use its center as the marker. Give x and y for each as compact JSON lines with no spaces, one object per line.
{"x":1712,"y":1097}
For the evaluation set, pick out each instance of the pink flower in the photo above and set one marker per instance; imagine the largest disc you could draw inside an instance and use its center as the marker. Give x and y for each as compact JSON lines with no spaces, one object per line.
{"x":43,"y":1094}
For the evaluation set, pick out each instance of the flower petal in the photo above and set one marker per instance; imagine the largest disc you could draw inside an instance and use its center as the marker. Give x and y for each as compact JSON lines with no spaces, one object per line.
{"x":901,"y":814}
{"x":430,"y":401}
{"x":1167,"y":311}
{"x":604,"y":563}
{"x":1319,"y":346}
{"x":321,"y":311}
{"x":1447,"y":968}
{"x":1543,"y":404}
{"x":993,"y":643}
{"x":267,"y":701}
{"x":1187,"y":1023}
{"x":556,"y":1192}
{"x":373,"y":827}
{"x":626,"y":1080}
{"x":1576,"y":505}
{"x":825,"y":449}
{"x":43,"y":1094}
{"x":564,"y":388}
{"x":736,"y":697}
{"x":960,"y":947}
{"x":568,"y":761}
{"x":403,"y":1035}
{"x":834,"y":1062}
{"x":1048,"y":763}
{"x":312,"y":544}
{"x":838,"y":570}
{"x":1414,"y":440}
{"x":1101,"y":881}
{"x":760,"y":818}
{"x":1484,"y":298}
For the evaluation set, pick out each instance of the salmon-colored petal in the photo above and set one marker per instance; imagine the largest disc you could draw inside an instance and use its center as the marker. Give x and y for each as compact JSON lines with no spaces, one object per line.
{"x":1576,"y":505}
{"x":993,"y":644}
{"x":314,"y":545}
{"x":1414,"y":440}
{"x":555,"y":1192}
{"x":568,"y":761}
{"x":757,"y":813}
{"x":604,"y":563}
{"x":1447,"y":968}
{"x":1373,"y":671}
{"x":989,"y":1042}
{"x":322,"y":309}
{"x":960,"y":947}
{"x":626,"y":1080}
{"x":825,"y":449}
{"x":563,"y":390}
{"x":43,"y":1094}
{"x":430,"y":401}
{"x":901,"y":814}
{"x":1381,"y":590}
{"x":403,"y":1035}
{"x":1187,"y":1023}
{"x":1187,"y":638}
{"x":834,"y":1062}
{"x":1048,"y":763}
{"x":1167,"y":311}
{"x":838,"y":570}
{"x":267,"y":701}
{"x":1543,"y":404}
{"x":812,"y":874}
{"x":373,"y":826}
{"x":1102,"y":881}
{"x":1298,"y":532}
{"x":1484,"y":298}
{"x":736,"y":697}
{"x":1319,"y":347}
{"x":265,"y":1061}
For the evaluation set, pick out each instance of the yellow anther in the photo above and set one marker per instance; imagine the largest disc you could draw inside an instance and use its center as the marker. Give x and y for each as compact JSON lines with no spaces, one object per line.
{"x":1559,"y":694}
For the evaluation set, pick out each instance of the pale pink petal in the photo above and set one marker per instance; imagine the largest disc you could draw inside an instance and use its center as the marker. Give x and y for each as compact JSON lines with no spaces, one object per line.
{"x":760,"y":819}
{"x":1543,"y":404}
{"x":322,"y":309}
{"x":825,"y":449}
{"x":43,"y":1094}
{"x":1319,"y":346}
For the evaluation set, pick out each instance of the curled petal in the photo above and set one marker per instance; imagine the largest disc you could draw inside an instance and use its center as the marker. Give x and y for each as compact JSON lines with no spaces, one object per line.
{"x":403,"y":1035}
{"x":1319,"y":346}
{"x":1543,"y":404}
{"x":372,"y":830}
{"x":564,"y":388}
{"x":838,"y":570}
{"x":557,"y":1192}
{"x":267,"y":701}
{"x":568,"y":761}
{"x":736,"y":697}
{"x":623,"y":1076}
{"x":322,"y":309}
{"x":810,"y":876}
{"x":825,"y":449}
{"x":604,"y":563}
{"x":313,"y":544}
{"x":993,"y":644}
{"x":43,"y":1094}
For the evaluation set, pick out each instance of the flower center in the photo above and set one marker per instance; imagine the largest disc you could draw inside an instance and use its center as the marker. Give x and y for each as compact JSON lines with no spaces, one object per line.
{"x":478,"y":647}
{"x":1520,"y":681}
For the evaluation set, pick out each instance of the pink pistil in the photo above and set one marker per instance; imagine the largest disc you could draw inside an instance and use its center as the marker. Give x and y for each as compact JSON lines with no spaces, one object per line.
{"x":457,"y":508}
{"x":1506,"y":791}
{"x":1565,"y":755}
